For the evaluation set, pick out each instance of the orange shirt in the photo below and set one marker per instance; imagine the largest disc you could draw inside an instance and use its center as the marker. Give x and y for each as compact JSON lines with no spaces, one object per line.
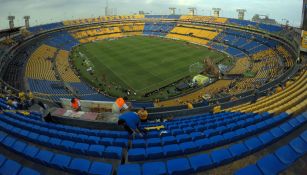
{"x":75,"y":104}
{"x":120,"y":102}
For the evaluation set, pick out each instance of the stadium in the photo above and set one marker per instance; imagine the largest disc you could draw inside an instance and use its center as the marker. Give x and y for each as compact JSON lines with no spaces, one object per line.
{"x":221,"y":95}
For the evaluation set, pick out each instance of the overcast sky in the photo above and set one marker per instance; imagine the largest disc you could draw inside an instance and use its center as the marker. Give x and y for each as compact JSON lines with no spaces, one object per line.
{"x":47,"y":11}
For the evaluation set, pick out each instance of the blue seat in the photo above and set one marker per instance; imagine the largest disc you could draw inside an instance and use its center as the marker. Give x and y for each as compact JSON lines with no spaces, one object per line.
{"x":301,"y":119}
{"x":9,"y":141}
{"x":252,"y":129}
{"x":270,"y":164}
{"x":249,"y":170}
{"x":154,"y":168}
{"x":153,"y":142}
{"x":136,"y":154}
{"x":44,"y":156}
{"x":154,"y":152}
{"x":80,"y":147}
{"x":28,"y":171}
{"x":183,"y":138}
{"x":60,"y":161}
{"x":96,"y":150}
{"x":93,"y":139}
{"x":98,"y":168}
{"x":19,"y":146}
{"x":286,"y":155}
{"x":121,"y":142}
{"x":2,"y":159}
{"x":152,"y":134}
{"x":138,"y":143}
{"x":168,"y":140}
{"x":10,"y":167}
{"x":172,"y":150}
{"x":188,"y":129}
{"x":217,"y":140}
{"x":299,"y":145}
{"x":42,"y":139}
{"x":106,"y":141}
{"x":55,"y":142}
{"x":179,"y":166}
{"x":67,"y":145}
{"x":113,"y":152}
{"x":294,"y":123}
{"x":277,"y":132}
{"x":221,"y":156}
{"x":33,"y":136}
{"x":242,"y":132}
{"x":80,"y":166}
{"x":201,"y":162}
{"x":196,"y":135}
{"x":203,"y":144}
{"x":229,"y":136}
{"x":188,"y":147}
{"x":176,"y":131}
{"x":129,"y":169}
{"x":304,"y":136}
{"x":238,"y":150}
{"x":31,"y":151}
{"x":266,"y":137}
{"x":2,"y":136}
{"x":253,"y":144}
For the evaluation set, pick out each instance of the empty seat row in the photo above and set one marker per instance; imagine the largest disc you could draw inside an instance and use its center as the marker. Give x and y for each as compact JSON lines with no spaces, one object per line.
{"x":98,"y":150}
{"x":282,"y":158}
{"x":217,"y":136}
{"x":66,"y":128}
{"x":54,"y":160}
{"x":52,"y":133}
{"x":221,"y":156}
{"x":11,"y":167}
{"x":186,"y":147}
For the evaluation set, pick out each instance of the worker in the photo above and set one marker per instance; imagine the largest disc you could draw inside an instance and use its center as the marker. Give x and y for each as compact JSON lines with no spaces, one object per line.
{"x":131,"y":122}
{"x":119,"y":105}
{"x":217,"y":109}
{"x":143,"y":114}
{"x":22,"y":96}
{"x":75,"y":104}
{"x":278,"y":88}
{"x":189,"y":105}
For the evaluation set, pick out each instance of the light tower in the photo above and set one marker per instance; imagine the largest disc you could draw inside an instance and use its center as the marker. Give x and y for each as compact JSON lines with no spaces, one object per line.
{"x":241,"y":13}
{"x":192,"y":11}
{"x":216,"y":12}
{"x":27,"y":23}
{"x":172,"y":10}
{"x":11,"y":21}
{"x":106,"y":10}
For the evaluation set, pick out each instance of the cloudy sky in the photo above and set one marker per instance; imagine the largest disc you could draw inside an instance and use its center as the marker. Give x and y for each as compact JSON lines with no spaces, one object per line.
{"x":46,"y":11}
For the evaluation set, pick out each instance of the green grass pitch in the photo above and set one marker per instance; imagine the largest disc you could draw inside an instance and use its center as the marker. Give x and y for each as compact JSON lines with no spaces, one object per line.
{"x":141,"y":64}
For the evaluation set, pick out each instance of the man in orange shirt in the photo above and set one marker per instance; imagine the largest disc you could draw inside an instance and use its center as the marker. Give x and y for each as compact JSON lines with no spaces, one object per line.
{"x":75,"y":104}
{"x":119,"y":104}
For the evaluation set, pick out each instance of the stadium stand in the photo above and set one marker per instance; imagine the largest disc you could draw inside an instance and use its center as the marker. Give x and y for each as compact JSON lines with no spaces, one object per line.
{"x":159,"y":29}
{"x":63,"y":66}
{"x":40,"y":65}
{"x":62,"y":40}
{"x":47,"y":86}
{"x":209,"y":19}
{"x":241,"y":66}
{"x":102,"y":19}
{"x":190,"y":143}
{"x":286,"y":99}
{"x":44,"y":27}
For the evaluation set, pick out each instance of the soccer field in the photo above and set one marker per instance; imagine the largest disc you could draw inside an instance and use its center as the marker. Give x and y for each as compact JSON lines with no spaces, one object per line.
{"x":140,"y":64}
